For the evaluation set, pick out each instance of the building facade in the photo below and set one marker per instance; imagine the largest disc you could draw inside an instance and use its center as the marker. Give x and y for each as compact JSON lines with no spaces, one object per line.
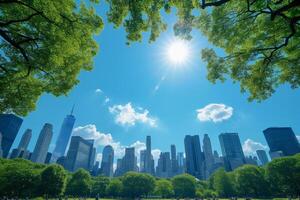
{"x":262,"y":156}
{"x":42,"y":145}
{"x":23,"y":145}
{"x":282,"y":141}
{"x":107,"y":161}
{"x":9,"y":127}
{"x":231,"y":150}
{"x":64,"y":136}
{"x":79,"y":154}
{"x":163,"y":168}
{"x":208,"y":156}
{"x":194,"y":156}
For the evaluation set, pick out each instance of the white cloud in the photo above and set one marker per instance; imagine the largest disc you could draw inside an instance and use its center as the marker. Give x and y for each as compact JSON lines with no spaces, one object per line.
{"x":298,"y":137}
{"x":250,"y":147}
{"x":127,"y":115}
{"x":214,"y":112}
{"x":106,"y":100}
{"x":98,"y":90}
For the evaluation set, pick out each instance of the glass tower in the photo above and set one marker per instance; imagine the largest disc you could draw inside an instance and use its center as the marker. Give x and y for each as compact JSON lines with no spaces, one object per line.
{"x":64,"y":136}
{"x":282,"y":140}
{"x":231,"y":150}
{"x":40,"y":151}
{"x":194,"y":156}
{"x":9,"y":127}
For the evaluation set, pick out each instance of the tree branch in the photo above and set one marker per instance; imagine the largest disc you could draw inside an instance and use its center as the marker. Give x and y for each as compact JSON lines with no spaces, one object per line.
{"x":2,"y":24}
{"x":216,"y":3}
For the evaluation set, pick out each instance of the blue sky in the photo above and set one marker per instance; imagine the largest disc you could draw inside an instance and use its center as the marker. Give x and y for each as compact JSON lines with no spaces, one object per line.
{"x":128,"y":75}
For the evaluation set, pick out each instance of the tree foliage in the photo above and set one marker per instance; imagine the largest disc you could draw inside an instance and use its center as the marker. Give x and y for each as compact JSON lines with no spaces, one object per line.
{"x":184,"y":186}
{"x":260,"y":39}
{"x":283,"y":175}
{"x":80,"y":184}
{"x":44,"y":44}
{"x":53,"y":180}
{"x":223,"y":184}
{"x":114,"y":188}
{"x":250,"y":181}
{"x":99,"y":186}
{"x":164,"y":188}
{"x":137,"y":184}
{"x":19,"y":178}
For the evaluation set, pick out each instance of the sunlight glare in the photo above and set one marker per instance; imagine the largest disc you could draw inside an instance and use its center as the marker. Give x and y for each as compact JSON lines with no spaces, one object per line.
{"x":178,"y":51}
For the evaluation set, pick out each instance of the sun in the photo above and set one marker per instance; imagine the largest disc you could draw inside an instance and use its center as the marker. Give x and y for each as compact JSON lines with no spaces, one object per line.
{"x":178,"y":51}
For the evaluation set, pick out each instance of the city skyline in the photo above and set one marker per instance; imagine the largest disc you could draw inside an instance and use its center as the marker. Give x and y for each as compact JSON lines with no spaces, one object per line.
{"x":141,"y":145}
{"x":198,"y":159}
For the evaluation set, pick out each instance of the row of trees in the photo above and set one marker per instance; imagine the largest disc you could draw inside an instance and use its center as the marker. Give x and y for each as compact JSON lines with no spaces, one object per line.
{"x":22,"y":178}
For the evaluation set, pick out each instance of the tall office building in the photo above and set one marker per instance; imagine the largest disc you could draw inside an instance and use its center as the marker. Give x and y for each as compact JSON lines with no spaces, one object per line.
{"x":64,"y":136}
{"x":9,"y":127}
{"x":148,"y":162}
{"x":262,"y":156}
{"x":181,"y":163}
{"x":174,"y":162}
{"x":42,"y":145}
{"x":163,"y":168}
{"x":194,"y":156}
{"x":79,"y":154}
{"x":24,"y":142}
{"x":208,"y":155}
{"x":129,"y":161}
{"x":107,"y":161}
{"x":142,"y":160}
{"x":232,"y":150}
{"x":118,"y":171}
{"x":282,"y":140}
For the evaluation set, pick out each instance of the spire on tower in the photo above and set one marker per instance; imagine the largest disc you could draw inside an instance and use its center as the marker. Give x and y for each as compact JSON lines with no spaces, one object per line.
{"x":72,"y":109}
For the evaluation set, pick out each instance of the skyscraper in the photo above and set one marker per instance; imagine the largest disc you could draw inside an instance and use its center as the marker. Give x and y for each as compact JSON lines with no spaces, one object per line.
{"x":282,"y":140}
{"x":24,"y":142}
{"x":181,"y":162}
{"x":64,"y":136}
{"x":163,"y":168}
{"x":107,"y":161}
{"x":232,"y":150}
{"x":208,"y":155}
{"x":129,"y":163}
{"x":174,"y":162}
{"x":194,"y":156}
{"x":149,"y":162}
{"x":41,"y":148}
{"x":262,"y":156}
{"x":9,"y":127}
{"x":142,"y":160}
{"x":79,"y":154}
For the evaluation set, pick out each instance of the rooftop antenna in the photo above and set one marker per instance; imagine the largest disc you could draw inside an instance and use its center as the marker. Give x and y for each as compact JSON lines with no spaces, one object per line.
{"x":72,"y":109}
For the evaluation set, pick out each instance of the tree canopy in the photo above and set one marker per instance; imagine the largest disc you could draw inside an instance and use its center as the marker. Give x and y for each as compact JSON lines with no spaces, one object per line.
{"x":44,"y":44}
{"x":137,"y":184}
{"x":184,"y":185}
{"x":260,"y":39}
